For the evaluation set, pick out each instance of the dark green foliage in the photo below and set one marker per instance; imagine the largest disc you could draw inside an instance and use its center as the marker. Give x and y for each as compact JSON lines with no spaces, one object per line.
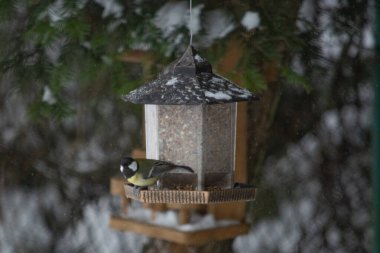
{"x":56,"y":45}
{"x":295,"y":79}
{"x":57,"y":111}
{"x":254,"y":79}
{"x":7,"y":9}
{"x":86,"y":45}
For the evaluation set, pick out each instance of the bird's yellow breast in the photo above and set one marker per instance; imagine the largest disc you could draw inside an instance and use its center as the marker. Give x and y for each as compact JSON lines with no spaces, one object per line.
{"x":139,"y":180}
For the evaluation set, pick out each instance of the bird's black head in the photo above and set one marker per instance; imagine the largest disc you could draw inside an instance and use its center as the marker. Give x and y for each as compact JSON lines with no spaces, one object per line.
{"x":128,"y":166}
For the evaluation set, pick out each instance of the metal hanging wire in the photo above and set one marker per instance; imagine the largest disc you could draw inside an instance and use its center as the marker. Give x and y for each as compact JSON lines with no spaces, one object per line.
{"x":190,"y":23}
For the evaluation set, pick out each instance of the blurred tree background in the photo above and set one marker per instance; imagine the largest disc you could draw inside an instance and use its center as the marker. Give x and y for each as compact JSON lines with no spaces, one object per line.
{"x":64,"y":127}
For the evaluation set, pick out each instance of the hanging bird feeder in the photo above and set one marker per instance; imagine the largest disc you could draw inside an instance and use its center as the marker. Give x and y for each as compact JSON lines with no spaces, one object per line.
{"x":190,"y":119}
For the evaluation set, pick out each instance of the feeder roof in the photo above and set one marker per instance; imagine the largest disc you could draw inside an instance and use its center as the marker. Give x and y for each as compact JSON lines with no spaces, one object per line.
{"x":189,"y":81}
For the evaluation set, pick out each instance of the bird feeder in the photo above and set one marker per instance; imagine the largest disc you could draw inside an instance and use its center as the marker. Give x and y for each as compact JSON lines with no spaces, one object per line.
{"x":190,"y":119}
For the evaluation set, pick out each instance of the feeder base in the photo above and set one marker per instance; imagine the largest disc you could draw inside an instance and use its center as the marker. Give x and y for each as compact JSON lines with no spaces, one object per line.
{"x":191,"y":197}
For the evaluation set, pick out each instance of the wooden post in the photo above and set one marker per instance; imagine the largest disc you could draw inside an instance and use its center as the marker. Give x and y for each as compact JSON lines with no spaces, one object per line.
{"x":183,"y":216}
{"x":117,"y":189}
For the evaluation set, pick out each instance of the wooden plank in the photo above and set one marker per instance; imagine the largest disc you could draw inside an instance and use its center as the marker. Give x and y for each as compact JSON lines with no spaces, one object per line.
{"x":179,"y":248}
{"x":183,"y":216}
{"x":137,"y":56}
{"x":145,"y":58}
{"x":230,"y":60}
{"x":117,"y":186}
{"x":138,"y":153}
{"x":216,"y":234}
{"x":199,"y":207}
{"x":241,"y":144}
{"x":229,"y":210}
{"x":146,"y":229}
{"x":177,"y":236}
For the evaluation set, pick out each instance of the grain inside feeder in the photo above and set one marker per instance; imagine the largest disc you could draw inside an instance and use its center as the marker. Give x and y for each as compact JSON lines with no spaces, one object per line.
{"x":190,"y":119}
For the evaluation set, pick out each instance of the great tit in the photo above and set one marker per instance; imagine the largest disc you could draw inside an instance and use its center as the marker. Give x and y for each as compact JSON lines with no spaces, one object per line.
{"x":146,"y":172}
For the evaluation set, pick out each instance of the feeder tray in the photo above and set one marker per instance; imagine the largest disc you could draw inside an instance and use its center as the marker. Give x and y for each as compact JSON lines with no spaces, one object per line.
{"x":191,"y":197}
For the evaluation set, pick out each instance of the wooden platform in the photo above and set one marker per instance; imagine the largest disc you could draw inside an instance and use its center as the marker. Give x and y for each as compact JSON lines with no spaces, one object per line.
{"x":191,"y":197}
{"x":177,"y":236}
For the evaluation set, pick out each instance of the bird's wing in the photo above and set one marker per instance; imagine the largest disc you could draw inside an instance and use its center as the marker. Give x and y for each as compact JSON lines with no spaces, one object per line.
{"x":153,"y":168}
{"x":160,"y":167}
{"x":149,"y":168}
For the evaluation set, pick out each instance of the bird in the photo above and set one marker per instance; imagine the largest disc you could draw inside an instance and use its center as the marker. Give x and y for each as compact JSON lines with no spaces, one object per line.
{"x":146,"y":172}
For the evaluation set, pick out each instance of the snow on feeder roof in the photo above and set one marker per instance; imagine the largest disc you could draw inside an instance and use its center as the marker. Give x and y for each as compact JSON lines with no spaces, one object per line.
{"x":189,"y":81}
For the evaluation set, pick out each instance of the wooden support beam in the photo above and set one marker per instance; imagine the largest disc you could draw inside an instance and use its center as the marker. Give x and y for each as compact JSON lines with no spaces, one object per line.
{"x":177,"y":236}
{"x":145,"y":58}
{"x":117,"y":189}
{"x":183,"y":216}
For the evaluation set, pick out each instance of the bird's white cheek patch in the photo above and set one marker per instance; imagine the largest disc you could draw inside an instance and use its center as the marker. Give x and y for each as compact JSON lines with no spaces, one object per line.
{"x":121,"y":168}
{"x":133,"y":166}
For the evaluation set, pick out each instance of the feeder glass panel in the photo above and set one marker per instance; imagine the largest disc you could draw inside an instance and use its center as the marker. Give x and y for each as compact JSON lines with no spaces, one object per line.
{"x":199,"y":136}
